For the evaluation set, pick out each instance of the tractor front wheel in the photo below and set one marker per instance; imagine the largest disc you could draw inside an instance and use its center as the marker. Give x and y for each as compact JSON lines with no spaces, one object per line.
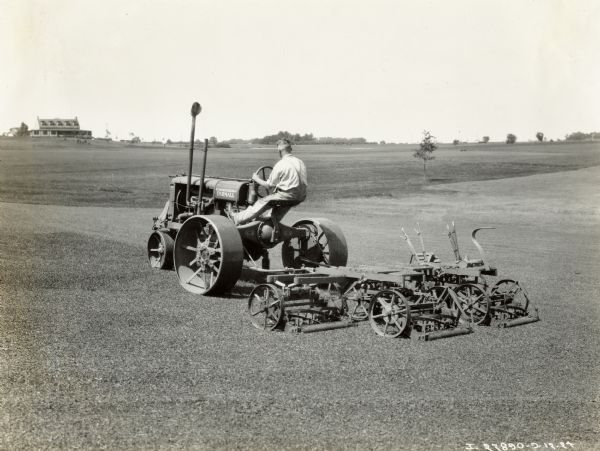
{"x":160,"y":250}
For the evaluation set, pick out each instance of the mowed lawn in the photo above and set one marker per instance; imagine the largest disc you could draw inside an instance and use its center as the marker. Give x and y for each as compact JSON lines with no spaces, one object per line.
{"x":66,"y":173}
{"x":98,"y":351}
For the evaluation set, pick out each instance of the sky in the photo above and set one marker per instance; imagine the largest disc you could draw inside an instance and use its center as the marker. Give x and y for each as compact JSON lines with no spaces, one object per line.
{"x":383,"y":70}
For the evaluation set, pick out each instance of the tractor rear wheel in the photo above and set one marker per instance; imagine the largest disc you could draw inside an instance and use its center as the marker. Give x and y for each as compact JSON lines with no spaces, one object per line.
{"x":160,"y":250}
{"x":208,"y":255}
{"x":326,"y":245}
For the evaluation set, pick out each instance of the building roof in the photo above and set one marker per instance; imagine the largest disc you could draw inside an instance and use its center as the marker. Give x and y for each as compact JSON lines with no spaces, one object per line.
{"x":58,"y":124}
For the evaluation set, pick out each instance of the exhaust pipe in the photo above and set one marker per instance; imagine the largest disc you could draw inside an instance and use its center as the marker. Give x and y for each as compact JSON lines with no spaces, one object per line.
{"x":196,"y":108}
{"x":200,"y":205}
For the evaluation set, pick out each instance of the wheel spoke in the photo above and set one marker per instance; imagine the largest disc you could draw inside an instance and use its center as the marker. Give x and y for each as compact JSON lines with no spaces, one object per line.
{"x":476,"y":299}
{"x":258,"y":312}
{"x":194,"y":275}
{"x":399,"y":310}
{"x":480,"y":309}
{"x":381,"y":315}
{"x":384,"y":304}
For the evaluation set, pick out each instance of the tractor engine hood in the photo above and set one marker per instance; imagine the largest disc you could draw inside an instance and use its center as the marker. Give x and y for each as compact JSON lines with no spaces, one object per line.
{"x":229,"y":190}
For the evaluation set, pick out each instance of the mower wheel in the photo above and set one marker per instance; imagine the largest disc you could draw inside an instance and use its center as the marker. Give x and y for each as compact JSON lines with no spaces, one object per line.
{"x":444,"y":298}
{"x":389,"y":314}
{"x":474,"y":302}
{"x":208,"y":254}
{"x":160,"y":250}
{"x":508,"y":292}
{"x":325,"y":245}
{"x":265,"y":307}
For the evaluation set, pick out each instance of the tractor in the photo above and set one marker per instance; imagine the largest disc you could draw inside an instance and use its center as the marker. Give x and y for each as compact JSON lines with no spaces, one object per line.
{"x":195,"y":236}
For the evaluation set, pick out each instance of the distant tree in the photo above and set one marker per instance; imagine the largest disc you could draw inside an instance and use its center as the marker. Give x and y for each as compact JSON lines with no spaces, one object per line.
{"x":580,"y":136}
{"x":456,"y":142}
{"x":485,"y":139}
{"x":23,"y":130}
{"x":382,"y":143}
{"x":425,"y":150}
{"x":213,"y":141}
{"x":511,"y":139}
{"x":539,"y":136}
{"x":169,"y":141}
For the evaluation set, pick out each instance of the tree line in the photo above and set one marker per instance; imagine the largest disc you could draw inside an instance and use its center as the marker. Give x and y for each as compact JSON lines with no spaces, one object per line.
{"x":309,"y":138}
{"x":297,"y":138}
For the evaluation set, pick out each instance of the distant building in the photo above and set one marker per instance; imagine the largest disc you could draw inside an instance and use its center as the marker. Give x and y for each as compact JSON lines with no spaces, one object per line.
{"x":60,"y":128}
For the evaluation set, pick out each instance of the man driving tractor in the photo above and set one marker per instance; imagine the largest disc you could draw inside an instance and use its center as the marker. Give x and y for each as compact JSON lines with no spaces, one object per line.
{"x":287,"y":184}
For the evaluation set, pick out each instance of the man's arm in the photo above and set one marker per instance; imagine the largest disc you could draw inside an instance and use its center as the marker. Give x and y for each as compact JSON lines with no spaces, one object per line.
{"x":260,"y":181}
{"x":273,"y":178}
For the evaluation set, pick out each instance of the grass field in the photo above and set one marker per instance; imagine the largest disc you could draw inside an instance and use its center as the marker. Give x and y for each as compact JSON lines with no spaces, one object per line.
{"x":98,"y":351}
{"x":64,"y":173}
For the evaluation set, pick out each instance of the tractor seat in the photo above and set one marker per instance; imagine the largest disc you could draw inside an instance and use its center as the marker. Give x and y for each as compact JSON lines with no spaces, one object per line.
{"x":274,"y":203}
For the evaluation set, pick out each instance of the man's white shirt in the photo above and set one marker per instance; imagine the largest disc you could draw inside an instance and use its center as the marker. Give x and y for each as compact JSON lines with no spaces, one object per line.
{"x":289,"y":176}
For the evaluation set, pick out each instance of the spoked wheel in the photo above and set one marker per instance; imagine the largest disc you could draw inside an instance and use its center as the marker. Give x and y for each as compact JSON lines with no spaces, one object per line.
{"x":160,"y":250}
{"x":326,"y":245}
{"x":208,"y":254}
{"x":474,"y":302}
{"x":265,"y":307}
{"x":389,"y":314}
{"x":444,"y":297}
{"x":508,"y":292}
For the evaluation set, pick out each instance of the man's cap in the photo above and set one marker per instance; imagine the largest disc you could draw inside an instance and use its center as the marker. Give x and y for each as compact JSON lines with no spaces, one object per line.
{"x":285,"y":142}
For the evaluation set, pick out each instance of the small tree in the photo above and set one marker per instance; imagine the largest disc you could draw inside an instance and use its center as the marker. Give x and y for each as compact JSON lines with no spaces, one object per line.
{"x":511,"y":139}
{"x":539,"y":136}
{"x":456,"y":142}
{"x":23,"y":130}
{"x":213,"y":141}
{"x":485,"y":139}
{"x":425,"y":150}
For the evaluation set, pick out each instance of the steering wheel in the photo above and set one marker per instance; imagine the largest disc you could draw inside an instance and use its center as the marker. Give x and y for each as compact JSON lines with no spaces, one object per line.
{"x":263,"y":172}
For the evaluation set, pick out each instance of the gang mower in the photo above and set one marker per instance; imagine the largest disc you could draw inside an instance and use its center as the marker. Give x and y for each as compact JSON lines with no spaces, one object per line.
{"x":432,"y":298}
